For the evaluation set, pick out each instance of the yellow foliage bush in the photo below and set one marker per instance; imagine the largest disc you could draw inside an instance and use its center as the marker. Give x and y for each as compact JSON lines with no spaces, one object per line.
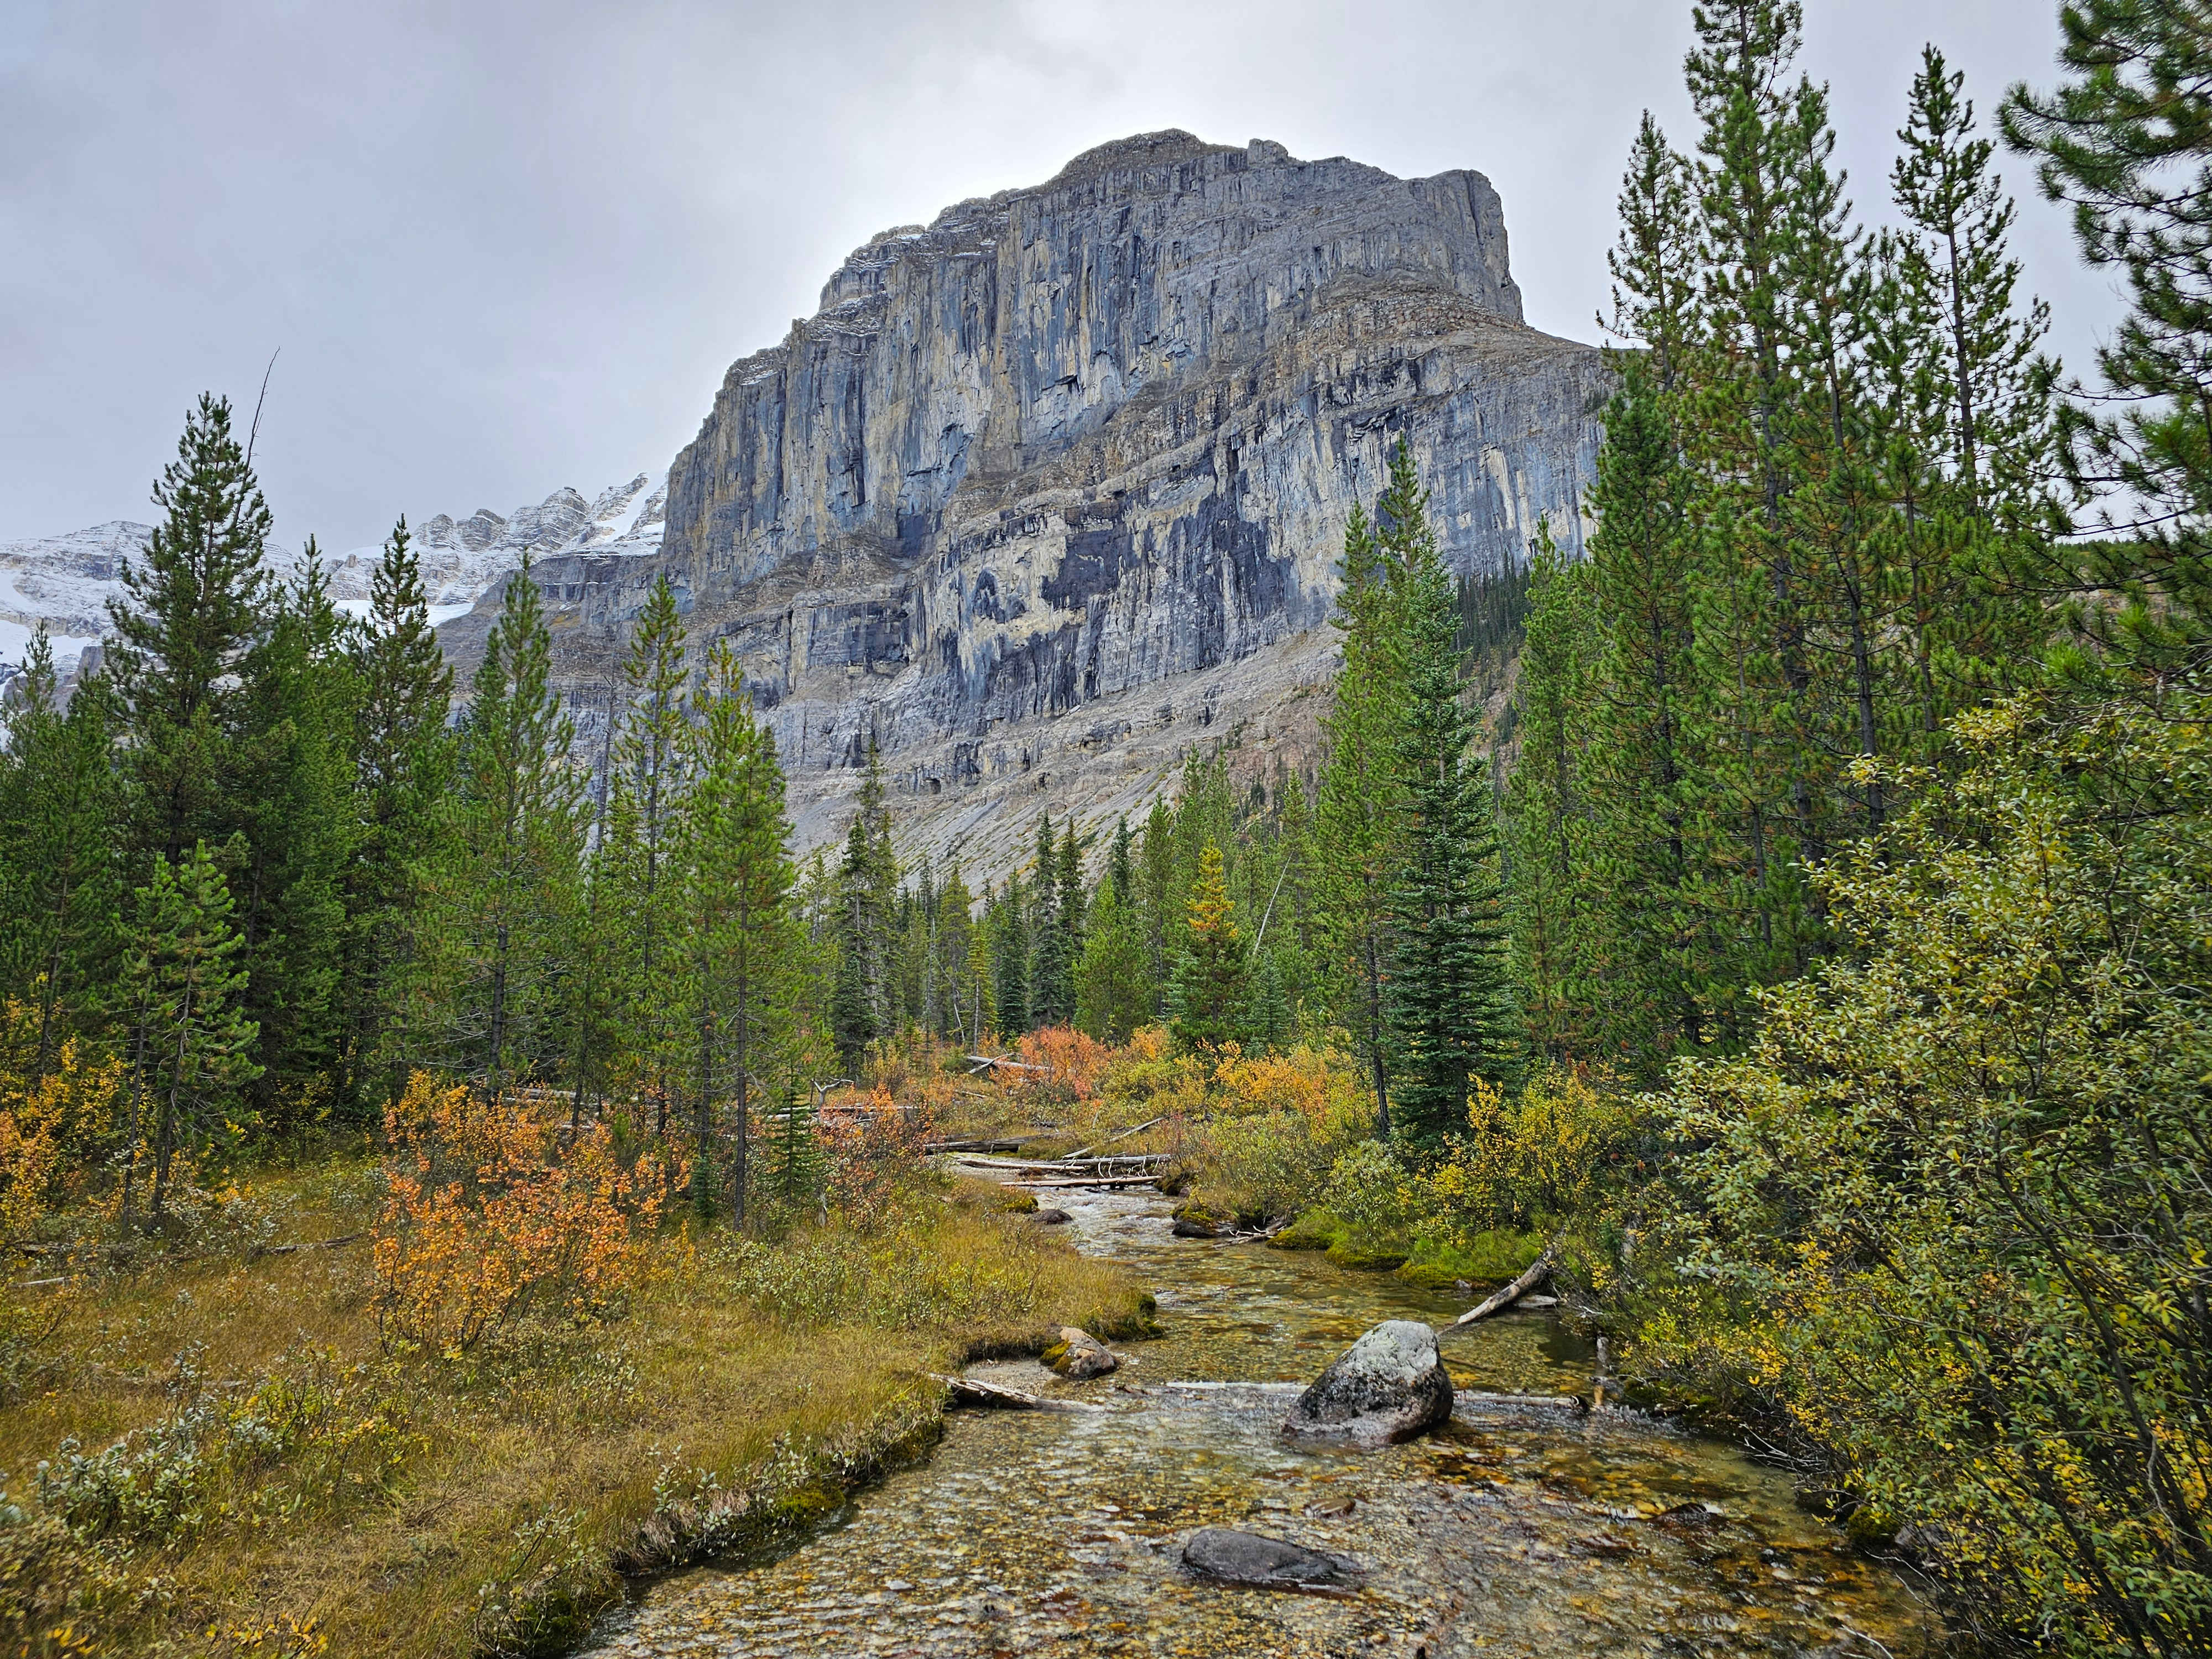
{"x":491,"y":1212}
{"x":51,"y":1128}
{"x":1537,"y":1160}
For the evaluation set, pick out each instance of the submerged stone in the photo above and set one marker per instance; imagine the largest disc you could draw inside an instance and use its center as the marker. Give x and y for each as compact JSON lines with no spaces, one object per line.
{"x":1247,"y":1558}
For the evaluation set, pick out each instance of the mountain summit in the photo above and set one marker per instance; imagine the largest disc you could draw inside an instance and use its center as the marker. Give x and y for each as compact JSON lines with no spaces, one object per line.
{"x":1055,"y":486}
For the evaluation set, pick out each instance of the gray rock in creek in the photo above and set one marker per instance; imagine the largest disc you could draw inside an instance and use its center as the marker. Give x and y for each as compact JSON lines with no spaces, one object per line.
{"x":1052,"y":1218}
{"x":1246,"y":1558}
{"x":1080,"y":1355}
{"x":1390,"y":1385}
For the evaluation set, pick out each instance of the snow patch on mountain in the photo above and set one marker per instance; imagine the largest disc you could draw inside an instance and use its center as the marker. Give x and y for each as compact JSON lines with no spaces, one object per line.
{"x":65,"y":581}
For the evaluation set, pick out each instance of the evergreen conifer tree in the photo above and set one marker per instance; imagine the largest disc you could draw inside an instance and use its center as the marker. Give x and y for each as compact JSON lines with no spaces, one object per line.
{"x":498,"y":930}
{"x":402,"y":762}
{"x":744,"y":953}
{"x":193,"y":612}
{"x":1207,"y":995}
{"x":1451,"y":1016}
{"x":2123,"y":139}
{"x":647,"y":795}
{"x":59,"y":891}
{"x":191,"y":1046}
{"x":1048,"y":965}
{"x":1358,"y":818}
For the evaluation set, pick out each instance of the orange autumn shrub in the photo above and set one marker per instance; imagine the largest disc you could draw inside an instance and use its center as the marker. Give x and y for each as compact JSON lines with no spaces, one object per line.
{"x":491,"y":1212}
{"x":1069,"y":1063}
{"x":869,"y":1151}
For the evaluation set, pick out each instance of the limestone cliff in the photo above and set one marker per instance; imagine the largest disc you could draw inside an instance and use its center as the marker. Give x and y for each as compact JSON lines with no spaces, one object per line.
{"x":1054,"y":488}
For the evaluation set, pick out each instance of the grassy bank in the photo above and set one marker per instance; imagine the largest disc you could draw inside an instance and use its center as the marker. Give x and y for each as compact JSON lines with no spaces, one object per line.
{"x":235,"y":1462}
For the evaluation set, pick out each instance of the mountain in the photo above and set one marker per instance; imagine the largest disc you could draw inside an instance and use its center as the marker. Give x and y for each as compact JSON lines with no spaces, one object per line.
{"x":1047,"y":493}
{"x":1053,"y":490}
{"x":65,"y":581}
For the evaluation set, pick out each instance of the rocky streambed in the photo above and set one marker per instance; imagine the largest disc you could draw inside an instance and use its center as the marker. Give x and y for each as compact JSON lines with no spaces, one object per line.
{"x":1511,"y":1529}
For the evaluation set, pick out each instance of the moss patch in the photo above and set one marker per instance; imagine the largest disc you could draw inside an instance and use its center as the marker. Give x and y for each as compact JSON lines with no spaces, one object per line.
{"x":1491,"y":1258}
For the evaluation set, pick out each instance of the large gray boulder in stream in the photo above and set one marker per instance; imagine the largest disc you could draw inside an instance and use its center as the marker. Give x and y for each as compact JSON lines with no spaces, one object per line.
{"x":1388,"y":1386}
{"x":1246,"y":1558}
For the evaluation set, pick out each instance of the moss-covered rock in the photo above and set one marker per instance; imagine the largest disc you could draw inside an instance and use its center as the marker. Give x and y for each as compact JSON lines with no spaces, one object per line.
{"x":1316,"y":1229}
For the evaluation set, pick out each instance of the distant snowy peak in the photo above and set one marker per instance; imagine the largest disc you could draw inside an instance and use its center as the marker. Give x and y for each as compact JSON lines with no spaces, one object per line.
{"x":461,"y":559}
{"x":65,"y":581}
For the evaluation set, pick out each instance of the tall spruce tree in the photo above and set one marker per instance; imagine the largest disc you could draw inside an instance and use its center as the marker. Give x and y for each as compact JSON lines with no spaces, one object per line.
{"x":742,"y":938}
{"x":402,"y":763}
{"x":498,"y":934}
{"x":653,"y":772}
{"x":1207,"y":994}
{"x":1452,"y":1015}
{"x":1048,"y":963}
{"x":295,"y":840}
{"x":1358,"y":821}
{"x":1548,"y":846}
{"x":192,"y":614}
{"x":2122,"y":140}
{"x":191,"y":1045}
{"x":60,"y":894}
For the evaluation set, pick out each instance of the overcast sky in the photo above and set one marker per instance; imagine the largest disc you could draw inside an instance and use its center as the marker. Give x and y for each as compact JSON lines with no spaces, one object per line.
{"x":507,"y":244}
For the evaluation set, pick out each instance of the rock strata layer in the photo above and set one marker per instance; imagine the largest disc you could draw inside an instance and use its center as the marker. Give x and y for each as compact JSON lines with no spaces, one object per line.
{"x":1053,"y":488}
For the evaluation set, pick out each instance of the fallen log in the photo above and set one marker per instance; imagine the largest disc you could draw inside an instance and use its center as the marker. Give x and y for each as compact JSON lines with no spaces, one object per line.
{"x":1538,"y":1270}
{"x":1145,"y":1163}
{"x":1482,"y":1400}
{"x":968,"y":1391}
{"x":1124,"y":1135}
{"x":1089,"y":1180}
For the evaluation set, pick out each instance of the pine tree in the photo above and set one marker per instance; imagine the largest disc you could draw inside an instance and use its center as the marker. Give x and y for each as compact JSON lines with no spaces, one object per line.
{"x":191,"y":1044}
{"x":402,"y":763}
{"x":1114,"y":993}
{"x":1358,"y":818}
{"x":295,"y":838}
{"x":2124,"y":140}
{"x":952,"y":948}
{"x":1549,"y":814}
{"x":1069,"y":918}
{"x":646,"y":797}
{"x":743,"y":938}
{"x":499,"y":917}
{"x":1156,"y":896}
{"x":59,"y":891}
{"x":863,"y":1004}
{"x":1451,"y":1017}
{"x":192,"y":615}
{"x":1008,"y":922}
{"x":852,"y":1001}
{"x":1207,"y":994}
{"x":1048,"y":963}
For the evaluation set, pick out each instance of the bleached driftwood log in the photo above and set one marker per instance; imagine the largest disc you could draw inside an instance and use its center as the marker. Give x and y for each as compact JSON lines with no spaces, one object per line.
{"x":1538,"y":1272}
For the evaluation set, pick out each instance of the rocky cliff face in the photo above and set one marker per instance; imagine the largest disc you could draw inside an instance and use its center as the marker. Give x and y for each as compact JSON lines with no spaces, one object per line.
{"x":1054,"y":488}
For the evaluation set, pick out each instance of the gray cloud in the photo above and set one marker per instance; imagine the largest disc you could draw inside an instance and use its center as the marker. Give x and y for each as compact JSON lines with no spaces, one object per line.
{"x":507,"y":245}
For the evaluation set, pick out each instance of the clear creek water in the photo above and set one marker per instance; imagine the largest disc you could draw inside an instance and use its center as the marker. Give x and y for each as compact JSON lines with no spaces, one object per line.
{"x":1516,"y":1532}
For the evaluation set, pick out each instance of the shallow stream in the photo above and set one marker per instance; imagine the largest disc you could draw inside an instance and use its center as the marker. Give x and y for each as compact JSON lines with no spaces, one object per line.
{"x":1518,"y":1532}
